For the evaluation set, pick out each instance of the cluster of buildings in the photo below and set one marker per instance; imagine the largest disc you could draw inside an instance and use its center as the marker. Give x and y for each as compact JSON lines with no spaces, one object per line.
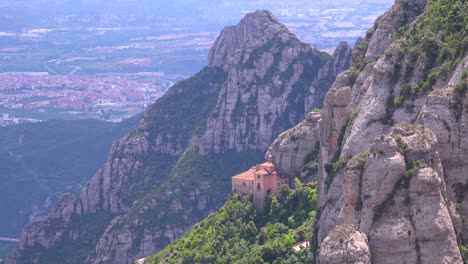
{"x":81,"y":94}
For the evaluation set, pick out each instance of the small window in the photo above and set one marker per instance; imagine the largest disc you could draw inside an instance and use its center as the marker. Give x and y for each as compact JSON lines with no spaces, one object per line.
{"x":259,"y":176}
{"x":268,"y":192}
{"x":258,"y":186}
{"x":244,"y":183}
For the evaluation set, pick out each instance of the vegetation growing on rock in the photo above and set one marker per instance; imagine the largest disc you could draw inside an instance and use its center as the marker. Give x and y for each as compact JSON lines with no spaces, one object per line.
{"x":438,"y":42}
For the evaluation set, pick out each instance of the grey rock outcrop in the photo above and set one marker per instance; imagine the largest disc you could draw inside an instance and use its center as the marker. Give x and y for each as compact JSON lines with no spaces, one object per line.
{"x":103,"y":191}
{"x":395,"y":195}
{"x":395,"y":169}
{"x":118,"y":247}
{"x":345,"y":245}
{"x":445,"y":113}
{"x":388,"y":25}
{"x":399,"y":189}
{"x":296,"y":150}
{"x":38,"y":234}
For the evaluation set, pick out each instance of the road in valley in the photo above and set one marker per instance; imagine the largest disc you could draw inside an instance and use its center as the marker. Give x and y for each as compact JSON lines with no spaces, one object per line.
{"x":6,"y":239}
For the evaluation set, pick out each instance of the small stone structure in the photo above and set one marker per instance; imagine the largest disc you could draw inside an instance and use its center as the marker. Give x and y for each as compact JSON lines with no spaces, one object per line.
{"x":260,"y":180}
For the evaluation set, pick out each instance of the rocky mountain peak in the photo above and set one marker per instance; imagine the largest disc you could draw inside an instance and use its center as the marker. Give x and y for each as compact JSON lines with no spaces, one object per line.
{"x":273,"y":81}
{"x":254,"y":30}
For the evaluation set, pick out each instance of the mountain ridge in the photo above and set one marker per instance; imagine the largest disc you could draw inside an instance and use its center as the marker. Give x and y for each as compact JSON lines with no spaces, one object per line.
{"x":163,"y":177}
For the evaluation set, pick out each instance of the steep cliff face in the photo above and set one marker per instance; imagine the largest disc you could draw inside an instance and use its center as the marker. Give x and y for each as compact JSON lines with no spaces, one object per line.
{"x":295,"y":151}
{"x":392,"y":167}
{"x":392,"y":138}
{"x":174,"y":167}
{"x":394,"y":193}
{"x":273,"y":80}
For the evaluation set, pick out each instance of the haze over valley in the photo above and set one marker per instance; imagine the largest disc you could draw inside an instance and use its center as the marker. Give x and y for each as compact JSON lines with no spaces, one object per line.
{"x":110,"y":59}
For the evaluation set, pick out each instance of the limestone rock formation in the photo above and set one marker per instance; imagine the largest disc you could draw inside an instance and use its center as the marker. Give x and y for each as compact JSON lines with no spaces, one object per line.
{"x":227,"y":49}
{"x":296,"y":150}
{"x":393,"y":149}
{"x":392,"y":155}
{"x":345,"y":245}
{"x":395,"y":195}
{"x":273,"y":81}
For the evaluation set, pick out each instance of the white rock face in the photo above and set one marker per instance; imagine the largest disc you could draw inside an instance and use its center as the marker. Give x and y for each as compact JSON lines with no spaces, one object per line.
{"x":385,"y":33}
{"x":405,"y":166}
{"x":401,"y":209}
{"x":345,"y":245}
{"x":119,"y":247}
{"x":449,"y":121}
{"x":64,"y":208}
{"x":296,"y":147}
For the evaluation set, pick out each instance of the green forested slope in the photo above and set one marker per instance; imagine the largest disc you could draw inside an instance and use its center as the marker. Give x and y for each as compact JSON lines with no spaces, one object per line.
{"x":237,"y":233}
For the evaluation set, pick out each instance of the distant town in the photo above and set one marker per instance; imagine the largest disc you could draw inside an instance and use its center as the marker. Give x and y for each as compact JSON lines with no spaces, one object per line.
{"x":111,"y":98}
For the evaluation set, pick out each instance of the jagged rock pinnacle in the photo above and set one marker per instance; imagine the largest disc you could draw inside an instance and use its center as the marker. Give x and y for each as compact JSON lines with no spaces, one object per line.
{"x":261,"y":23}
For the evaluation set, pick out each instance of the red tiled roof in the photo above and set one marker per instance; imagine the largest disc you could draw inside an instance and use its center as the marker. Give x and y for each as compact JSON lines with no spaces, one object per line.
{"x":266,"y":168}
{"x":246,"y":175}
{"x":262,"y":172}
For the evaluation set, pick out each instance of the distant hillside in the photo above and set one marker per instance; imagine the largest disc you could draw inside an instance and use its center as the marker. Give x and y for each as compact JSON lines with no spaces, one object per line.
{"x":38,"y":162}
